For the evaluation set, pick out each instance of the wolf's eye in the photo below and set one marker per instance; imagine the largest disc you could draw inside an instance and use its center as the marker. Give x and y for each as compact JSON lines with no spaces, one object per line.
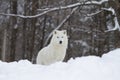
{"x":57,"y":37}
{"x":62,"y":37}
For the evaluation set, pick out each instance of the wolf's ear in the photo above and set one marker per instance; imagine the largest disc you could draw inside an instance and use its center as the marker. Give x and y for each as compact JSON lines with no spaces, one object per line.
{"x":55,"y":32}
{"x":64,"y":32}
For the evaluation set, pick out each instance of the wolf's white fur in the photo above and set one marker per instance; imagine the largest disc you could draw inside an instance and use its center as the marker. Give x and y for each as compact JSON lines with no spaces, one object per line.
{"x":55,"y":51}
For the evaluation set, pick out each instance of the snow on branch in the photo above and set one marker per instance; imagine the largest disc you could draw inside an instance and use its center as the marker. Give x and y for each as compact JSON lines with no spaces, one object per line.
{"x":97,"y":2}
{"x":67,"y":17}
{"x":74,"y":5}
{"x":22,"y":16}
{"x":110,"y":9}
{"x":117,"y":26}
{"x":60,"y":8}
{"x":47,"y":10}
{"x":14,"y":15}
{"x":92,"y":14}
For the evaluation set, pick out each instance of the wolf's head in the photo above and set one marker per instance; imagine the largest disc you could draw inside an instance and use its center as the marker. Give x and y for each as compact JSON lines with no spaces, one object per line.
{"x":59,"y":38}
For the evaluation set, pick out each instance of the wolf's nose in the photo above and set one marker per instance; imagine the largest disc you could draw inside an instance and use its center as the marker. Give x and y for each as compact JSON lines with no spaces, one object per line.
{"x":60,"y":42}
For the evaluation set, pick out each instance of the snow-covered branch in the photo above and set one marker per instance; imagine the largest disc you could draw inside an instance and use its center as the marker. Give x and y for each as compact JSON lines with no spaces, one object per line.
{"x":47,"y":10}
{"x":110,"y":9}
{"x":74,"y":5}
{"x":22,"y":16}
{"x":97,"y":2}
{"x":117,"y":26}
{"x":67,"y":17}
{"x":60,"y":8}
{"x":92,"y":14}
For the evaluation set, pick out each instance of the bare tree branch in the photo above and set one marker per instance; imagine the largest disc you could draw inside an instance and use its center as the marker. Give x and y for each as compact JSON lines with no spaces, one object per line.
{"x":67,"y":17}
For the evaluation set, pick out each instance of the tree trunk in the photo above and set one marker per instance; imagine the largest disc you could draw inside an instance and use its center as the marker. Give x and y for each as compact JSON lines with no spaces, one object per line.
{"x":33,"y":28}
{"x":4,"y":45}
{"x":13,"y":30}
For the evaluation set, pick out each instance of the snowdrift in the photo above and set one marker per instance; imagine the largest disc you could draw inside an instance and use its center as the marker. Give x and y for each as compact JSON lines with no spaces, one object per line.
{"x":85,"y":68}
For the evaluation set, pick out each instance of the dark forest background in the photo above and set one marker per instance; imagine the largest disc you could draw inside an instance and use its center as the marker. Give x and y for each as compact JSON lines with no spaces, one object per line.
{"x":26,"y":25}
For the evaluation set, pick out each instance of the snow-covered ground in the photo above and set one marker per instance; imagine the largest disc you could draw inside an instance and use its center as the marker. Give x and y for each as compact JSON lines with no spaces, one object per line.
{"x":85,"y":68}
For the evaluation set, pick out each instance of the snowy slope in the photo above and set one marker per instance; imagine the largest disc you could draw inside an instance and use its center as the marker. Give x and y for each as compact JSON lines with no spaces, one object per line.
{"x":84,"y":68}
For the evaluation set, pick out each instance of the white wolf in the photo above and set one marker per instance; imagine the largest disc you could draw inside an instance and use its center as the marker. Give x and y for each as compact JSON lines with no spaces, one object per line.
{"x":56,"y":50}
